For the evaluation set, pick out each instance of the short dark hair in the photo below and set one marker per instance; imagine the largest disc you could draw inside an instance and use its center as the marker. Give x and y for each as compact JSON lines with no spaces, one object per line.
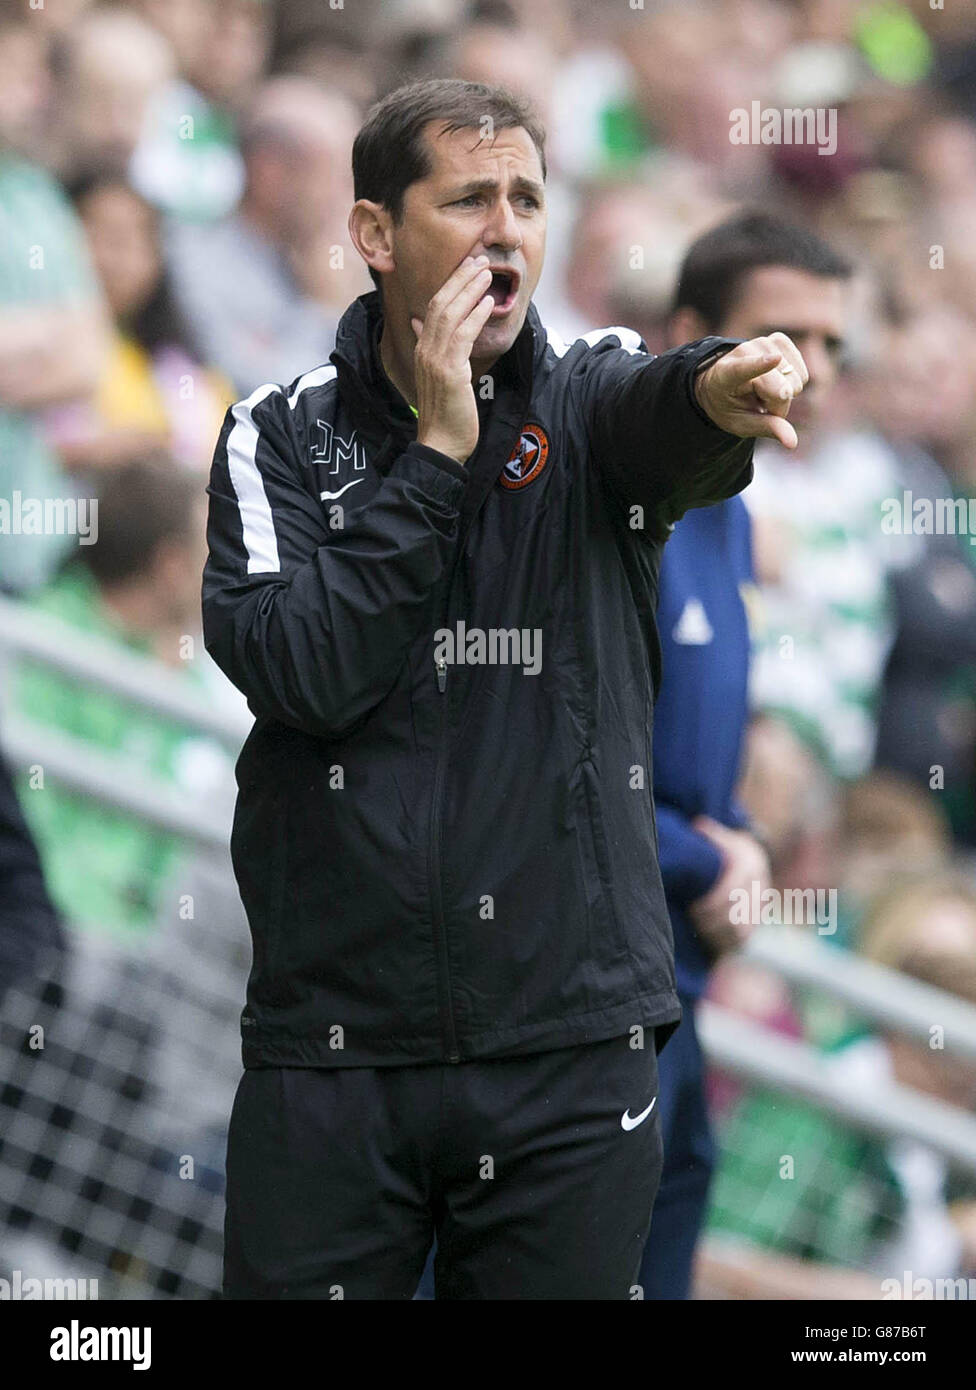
{"x":711,"y":275}
{"x":389,"y":152}
{"x":142,"y":504}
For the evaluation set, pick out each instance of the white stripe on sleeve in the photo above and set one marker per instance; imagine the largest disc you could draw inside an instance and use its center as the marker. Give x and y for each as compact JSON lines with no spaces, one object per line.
{"x":629,"y":340}
{"x":257,"y":522}
{"x":316,"y":378}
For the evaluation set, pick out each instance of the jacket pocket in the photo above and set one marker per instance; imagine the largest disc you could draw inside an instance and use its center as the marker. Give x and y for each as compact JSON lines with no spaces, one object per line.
{"x":600,"y":885}
{"x":259,"y":857}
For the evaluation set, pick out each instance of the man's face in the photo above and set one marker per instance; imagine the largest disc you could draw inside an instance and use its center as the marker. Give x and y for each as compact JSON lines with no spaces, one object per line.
{"x":810,"y":309}
{"x":482,"y":197}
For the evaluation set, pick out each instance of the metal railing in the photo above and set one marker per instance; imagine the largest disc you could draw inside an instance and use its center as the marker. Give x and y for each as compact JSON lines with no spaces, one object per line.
{"x":766,"y":1058}
{"x":888,"y":998}
{"x":91,"y":660}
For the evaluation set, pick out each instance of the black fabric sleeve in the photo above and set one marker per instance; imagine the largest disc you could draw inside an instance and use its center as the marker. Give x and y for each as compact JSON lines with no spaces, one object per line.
{"x":311,"y":623}
{"x":653,"y":443}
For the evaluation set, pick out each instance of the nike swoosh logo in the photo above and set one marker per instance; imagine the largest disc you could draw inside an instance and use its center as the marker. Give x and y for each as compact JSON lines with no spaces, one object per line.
{"x":331,"y":496}
{"x":628,"y":1121}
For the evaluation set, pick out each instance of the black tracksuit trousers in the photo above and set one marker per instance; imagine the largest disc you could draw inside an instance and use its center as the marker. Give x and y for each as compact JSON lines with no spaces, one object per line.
{"x":537,"y":1173}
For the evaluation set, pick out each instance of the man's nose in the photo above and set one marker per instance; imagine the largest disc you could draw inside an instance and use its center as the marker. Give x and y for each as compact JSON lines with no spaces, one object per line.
{"x":501,"y":228}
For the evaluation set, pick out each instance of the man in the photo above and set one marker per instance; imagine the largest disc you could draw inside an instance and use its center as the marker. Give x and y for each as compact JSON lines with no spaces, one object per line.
{"x":822,"y":557}
{"x":432,"y":567}
{"x":750,"y":275}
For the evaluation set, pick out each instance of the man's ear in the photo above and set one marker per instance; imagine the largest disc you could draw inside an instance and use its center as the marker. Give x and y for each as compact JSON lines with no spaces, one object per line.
{"x":686,"y":326}
{"x":371,"y":230}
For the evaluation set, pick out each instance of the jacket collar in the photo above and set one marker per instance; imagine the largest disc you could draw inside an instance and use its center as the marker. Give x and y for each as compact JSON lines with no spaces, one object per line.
{"x":366,"y":390}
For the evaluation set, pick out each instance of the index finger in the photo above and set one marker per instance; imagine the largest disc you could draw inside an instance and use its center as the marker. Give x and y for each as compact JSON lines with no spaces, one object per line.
{"x":739,"y":368}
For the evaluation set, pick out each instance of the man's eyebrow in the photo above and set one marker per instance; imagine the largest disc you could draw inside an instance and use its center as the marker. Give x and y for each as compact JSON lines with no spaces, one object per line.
{"x":832,"y":338}
{"x":521,"y":184}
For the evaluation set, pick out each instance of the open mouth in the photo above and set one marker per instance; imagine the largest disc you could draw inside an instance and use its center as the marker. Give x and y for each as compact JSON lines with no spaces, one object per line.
{"x":503,"y":289}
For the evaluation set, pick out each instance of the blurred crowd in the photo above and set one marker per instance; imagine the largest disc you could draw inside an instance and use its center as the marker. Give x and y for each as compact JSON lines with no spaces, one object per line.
{"x":174,"y":187}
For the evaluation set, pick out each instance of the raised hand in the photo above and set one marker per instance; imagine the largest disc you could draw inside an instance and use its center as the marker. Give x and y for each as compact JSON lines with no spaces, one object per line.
{"x":748,"y":391}
{"x":447,"y":412}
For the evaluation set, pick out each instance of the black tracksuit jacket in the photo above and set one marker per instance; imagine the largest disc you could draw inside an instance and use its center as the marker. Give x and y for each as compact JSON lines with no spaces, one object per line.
{"x":447,"y":861}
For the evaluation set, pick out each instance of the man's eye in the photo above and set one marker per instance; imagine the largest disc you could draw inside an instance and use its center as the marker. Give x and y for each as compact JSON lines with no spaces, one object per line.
{"x":528,"y":198}
{"x":470,"y":198}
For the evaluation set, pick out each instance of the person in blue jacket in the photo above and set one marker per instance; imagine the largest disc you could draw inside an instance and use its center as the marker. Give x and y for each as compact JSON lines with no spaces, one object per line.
{"x":705,"y":844}
{"x":752,"y":273}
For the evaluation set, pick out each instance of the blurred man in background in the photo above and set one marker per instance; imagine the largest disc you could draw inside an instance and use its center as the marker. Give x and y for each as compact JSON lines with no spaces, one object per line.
{"x":753,"y":273}
{"x":114,"y":69}
{"x":134,"y":591}
{"x":264,"y":288}
{"x":820,"y":560}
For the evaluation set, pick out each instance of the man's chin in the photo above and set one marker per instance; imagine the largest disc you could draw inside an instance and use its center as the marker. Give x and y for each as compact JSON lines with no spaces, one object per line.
{"x":498,"y":335}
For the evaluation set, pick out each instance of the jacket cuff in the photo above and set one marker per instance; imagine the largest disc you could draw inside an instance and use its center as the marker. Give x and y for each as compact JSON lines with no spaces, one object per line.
{"x":701,"y":355}
{"x":439,"y":460}
{"x":702,"y":866}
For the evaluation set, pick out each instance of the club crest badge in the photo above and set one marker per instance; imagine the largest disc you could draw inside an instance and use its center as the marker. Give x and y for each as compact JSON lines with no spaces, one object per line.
{"x":528,"y":459}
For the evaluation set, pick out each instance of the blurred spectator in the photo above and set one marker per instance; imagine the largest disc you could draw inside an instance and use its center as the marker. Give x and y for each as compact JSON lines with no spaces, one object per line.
{"x":25,"y":90}
{"x":888,"y":828}
{"x":153,"y":391}
{"x":235,"y":52}
{"x":137,"y":589}
{"x":128,"y":108}
{"x":29,"y":925}
{"x":187,"y":161}
{"x":789,"y":797}
{"x":852,"y":1200}
{"x":627,"y":246}
{"x":264,"y":289}
{"x":793,"y":804}
{"x":52,"y":332}
{"x":825,"y":630}
{"x":923,"y":403}
{"x":114,"y":71}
